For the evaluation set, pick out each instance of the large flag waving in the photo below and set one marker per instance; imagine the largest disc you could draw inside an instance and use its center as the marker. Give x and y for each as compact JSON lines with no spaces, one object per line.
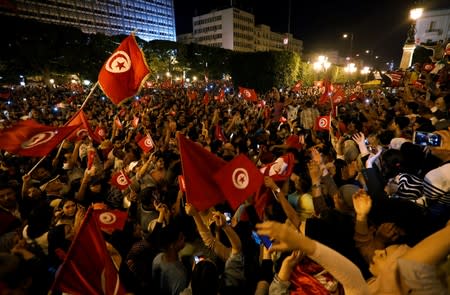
{"x":199,"y":166}
{"x":31,"y":139}
{"x":80,"y":119}
{"x":88,"y":268}
{"x":239,"y":179}
{"x":248,"y":94}
{"x":124,"y":72}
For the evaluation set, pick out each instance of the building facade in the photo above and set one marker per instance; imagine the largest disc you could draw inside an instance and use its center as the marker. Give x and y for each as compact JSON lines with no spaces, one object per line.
{"x":433,"y":27}
{"x":150,"y":19}
{"x":235,"y":29}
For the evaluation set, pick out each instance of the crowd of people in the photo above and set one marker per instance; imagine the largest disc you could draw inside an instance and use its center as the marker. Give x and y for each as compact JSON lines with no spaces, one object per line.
{"x":364,"y":209}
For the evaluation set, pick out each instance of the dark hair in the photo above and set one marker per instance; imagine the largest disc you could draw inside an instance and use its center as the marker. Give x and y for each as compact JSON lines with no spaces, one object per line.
{"x":413,"y":106}
{"x":205,"y":278}
{"x":385,"y":137}
{"x":393,"y":163}
{"x":402,"y":122}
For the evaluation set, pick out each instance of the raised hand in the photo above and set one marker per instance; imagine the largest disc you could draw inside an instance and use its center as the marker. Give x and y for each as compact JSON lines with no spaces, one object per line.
{"x":285,"y":236}
{"x":362,"y":203}
{"x":190,"y":210}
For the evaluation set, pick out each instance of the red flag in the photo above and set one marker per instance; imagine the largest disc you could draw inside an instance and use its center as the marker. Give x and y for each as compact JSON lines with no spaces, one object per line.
{"x":218,"y":133}
{"x":338,"y":96}
{"x":325,"y":98}
{"x":297,"y":87}
{"x":88,"y":268}
{"x":192,"y":95}
{"x":206,"y":98}
{"x":100,"y":132}
{"x":181,"y":183}
{"x":199,"y":166}
{"x":5,"y":93}
{"x":322,"y":123}
{"x":124,"y":72}
{"x":80,"y":119}
{"x":110,"y":220}
{"x":135,"y":122}
{"x":239,"y":179}
{"x":118,"y":123}
{"x":31,"y":139}
{"x":120,"y":180}
{"x":248,"y":94}
{"x":221,"y":95}
{"x":280,"y":170}
{"x":146,"y":143}
{"x":90,"y":159}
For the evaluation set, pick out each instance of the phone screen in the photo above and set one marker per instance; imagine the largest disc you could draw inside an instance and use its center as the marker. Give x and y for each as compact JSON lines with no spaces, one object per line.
{"x":264,"y":240}
{"x":427,"y":139}
{"x":227,"y":217}
{"x":197,"y":259}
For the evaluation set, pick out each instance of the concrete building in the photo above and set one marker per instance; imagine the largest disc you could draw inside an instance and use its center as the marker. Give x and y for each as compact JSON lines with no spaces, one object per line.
{"x":433,"y":26}
{"x":235,"y":29}
{"x":152,"y":19}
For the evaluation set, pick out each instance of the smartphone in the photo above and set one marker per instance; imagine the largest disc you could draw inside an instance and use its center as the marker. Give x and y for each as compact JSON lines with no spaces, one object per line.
{"x":227,"y":217}
{"x":426,"y":138}
{"x":264,"y":240}
{"x":197,"y":259}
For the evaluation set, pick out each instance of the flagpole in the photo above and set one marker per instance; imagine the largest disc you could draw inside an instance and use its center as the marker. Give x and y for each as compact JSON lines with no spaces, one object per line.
{"x":89,"y":95}
{"x":35,"y":166}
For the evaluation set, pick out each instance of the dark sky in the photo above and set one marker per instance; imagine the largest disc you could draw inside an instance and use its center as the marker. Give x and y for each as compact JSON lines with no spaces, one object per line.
{"x":378,"y":25}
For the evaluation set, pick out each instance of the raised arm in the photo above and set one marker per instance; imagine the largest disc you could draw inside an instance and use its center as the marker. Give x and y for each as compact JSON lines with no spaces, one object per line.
{"x":211,"y":242}
{"x":287,"y":238}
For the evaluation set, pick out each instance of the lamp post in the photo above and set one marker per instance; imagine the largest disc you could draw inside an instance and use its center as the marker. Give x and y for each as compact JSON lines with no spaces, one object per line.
{"x":349,"y":36}
{"x":410,"y":44}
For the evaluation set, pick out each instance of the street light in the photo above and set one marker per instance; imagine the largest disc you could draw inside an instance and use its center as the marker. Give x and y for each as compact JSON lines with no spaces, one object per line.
{"x":322,"y":63}
{"x":350,"y":68}
{"x":414,"y":14}
{"x":349,"y":36}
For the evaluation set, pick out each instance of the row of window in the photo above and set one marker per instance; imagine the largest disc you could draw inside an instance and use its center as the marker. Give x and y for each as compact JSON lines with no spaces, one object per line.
{"x":243,"y":44}
{"x":208,"y":20}
{"x":242,"y":36}
{"x":209,"y":37}
{"x":207,"y":29}
{"x":243,"y":18}
{"x":242,"y":27}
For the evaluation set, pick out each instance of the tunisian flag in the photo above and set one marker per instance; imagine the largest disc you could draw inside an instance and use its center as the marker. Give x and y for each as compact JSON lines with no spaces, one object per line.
{"x":239,"y":179}
{"x":146,"y":143}
{"x":248,"y":94}
{"x":322,"y":123}
{"x":124,"y":72}
{"x":279,"y":171}
{"x":199,"y":166}
{"x":31,"y":139}
{"x":120,"y":180}
{"x":80,"y":119}
{"x":88,"y":268}
{"x":110,"y":220}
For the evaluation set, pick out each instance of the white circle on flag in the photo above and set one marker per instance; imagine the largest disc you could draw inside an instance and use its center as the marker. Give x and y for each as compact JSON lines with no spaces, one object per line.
{"x":247,"y":93}
{"x":148,"y":142}
{"x":107,"y":218}
{"x":119,"y":62}
{"x":122,"y":180}
{"x":82,"y":132}
{"x":323,"y":122}
{"x":240,"y":178}
{"x":38,"y":139}
{"x":101,"y":132}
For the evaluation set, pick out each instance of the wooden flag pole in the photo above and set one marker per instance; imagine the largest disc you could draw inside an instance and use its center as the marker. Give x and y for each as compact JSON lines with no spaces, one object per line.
{"x":89,"y":95}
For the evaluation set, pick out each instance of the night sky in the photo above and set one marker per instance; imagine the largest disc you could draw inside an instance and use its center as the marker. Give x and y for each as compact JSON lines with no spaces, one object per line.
{"x":377,"y":25}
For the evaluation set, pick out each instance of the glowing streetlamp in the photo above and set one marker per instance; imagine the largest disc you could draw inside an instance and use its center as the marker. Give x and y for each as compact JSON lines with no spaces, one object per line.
{"x":350,"y":68}
{"x":52,"y":81}
{"x":414,"y":15}
{"x":194,"y":78}
{"x":349,"y":36}
{"x":322,"y":64}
